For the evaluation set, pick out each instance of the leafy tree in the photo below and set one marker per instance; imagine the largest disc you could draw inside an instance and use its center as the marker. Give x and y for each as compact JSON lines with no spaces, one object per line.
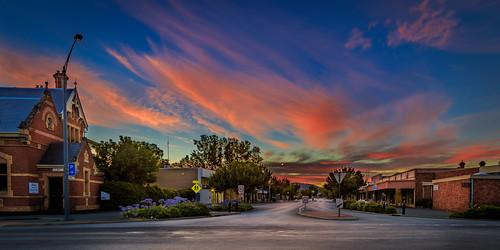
{"x":240,"y":173}
{"x":349,"y":186}
{"x":128,"y":160}
{"x":213,"y":152}
{"x":311,"y":191}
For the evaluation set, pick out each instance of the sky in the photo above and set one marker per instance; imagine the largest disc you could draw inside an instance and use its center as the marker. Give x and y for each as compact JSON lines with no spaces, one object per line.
{"x":381,"y":86}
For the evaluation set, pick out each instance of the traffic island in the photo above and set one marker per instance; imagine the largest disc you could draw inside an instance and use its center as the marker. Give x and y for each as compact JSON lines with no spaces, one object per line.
{"x":327,"y":215}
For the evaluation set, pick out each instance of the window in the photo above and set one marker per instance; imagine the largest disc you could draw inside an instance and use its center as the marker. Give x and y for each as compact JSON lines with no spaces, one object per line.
{"x":3,"y":177}
{"x":49,"y":122}
{"x":87,"y":183}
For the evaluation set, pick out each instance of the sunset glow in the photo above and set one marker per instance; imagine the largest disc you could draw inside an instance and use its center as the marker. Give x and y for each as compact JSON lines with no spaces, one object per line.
{"x":316,"y":85}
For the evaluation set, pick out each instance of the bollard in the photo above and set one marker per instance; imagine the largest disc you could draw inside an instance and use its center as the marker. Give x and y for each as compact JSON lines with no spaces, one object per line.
{"x":404,"y":206}
{"x":229,"y":207}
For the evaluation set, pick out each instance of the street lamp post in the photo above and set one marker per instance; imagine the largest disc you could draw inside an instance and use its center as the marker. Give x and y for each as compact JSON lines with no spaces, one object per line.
{"x":77,"y":37}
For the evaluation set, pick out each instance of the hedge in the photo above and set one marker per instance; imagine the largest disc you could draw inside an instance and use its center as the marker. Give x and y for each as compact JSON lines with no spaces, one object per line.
{"x":368,"y":207}
{"x":122,"y":193}
{"x":482,"y":212}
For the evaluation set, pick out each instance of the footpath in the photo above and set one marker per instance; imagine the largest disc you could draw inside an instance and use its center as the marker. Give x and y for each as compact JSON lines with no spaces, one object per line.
{"x":409,"y":212}
{"x":74,"y":219}
{"x":115,"y":217}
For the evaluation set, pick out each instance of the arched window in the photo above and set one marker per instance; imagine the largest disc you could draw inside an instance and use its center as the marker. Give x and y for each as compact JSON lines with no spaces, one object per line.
{"x":49,"y":122}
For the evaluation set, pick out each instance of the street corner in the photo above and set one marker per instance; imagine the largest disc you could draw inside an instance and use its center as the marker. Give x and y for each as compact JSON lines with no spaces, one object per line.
{"x":327,"y":215}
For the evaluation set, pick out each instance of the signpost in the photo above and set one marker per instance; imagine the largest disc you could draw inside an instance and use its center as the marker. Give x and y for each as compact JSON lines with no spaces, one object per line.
{"x":339,"y":202}
{"x":305,"y":200}
{"x":241,"y":191}
{"x":196,"y":188}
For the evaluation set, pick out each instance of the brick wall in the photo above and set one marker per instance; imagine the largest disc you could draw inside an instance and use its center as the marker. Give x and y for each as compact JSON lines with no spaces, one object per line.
{"x":486,"y":192}
{"x":451,"y":196}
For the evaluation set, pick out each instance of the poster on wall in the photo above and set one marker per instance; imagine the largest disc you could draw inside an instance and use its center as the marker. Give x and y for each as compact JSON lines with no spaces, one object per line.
{"x":33,"y":187}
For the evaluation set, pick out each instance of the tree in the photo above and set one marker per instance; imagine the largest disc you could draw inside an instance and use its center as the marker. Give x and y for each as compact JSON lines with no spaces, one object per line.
{"x":240,"y":173}
{"x":213,"y":152}
{"x":311,"y":191}
{"x":349,"y":186}
{"x":128,"y":160}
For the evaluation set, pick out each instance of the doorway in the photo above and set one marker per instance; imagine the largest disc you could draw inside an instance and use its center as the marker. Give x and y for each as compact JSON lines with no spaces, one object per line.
{"x":55,"y":194}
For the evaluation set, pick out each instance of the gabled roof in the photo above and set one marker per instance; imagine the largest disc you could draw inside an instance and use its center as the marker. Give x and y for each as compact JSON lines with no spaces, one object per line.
{"x":53,"y":155}
{"x":16,"y":104}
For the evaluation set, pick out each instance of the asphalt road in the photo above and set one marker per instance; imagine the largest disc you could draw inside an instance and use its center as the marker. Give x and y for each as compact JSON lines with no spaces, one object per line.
{"x":271,"y":226}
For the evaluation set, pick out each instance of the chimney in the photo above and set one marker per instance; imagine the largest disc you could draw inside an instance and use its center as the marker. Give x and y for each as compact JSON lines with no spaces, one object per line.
{"x":58,"y":76}
{"x":461,"y":164}
{"x":482,"y":164}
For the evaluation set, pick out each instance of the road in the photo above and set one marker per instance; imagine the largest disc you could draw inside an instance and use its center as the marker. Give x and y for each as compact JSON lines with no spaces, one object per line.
{"x":271,"y":226}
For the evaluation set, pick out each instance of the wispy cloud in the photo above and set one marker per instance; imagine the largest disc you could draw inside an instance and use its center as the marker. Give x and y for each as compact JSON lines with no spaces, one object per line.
{"x":356,"y":39}
{"x":433,"y":27}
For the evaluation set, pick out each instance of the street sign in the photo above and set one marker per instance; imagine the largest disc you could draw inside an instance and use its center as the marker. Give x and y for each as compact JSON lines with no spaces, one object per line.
{"x":339,"y":203}
{"x":71,"y":169}
{"x":241,"y":189}
{"x":305,"y":199}
{"x":339,"y":176}
{"x":105,"y":196}
{"x":196,"y":187}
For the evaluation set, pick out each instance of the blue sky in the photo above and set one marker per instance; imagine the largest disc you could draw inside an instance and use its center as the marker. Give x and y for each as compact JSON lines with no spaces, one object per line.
{"x":382,"y":86}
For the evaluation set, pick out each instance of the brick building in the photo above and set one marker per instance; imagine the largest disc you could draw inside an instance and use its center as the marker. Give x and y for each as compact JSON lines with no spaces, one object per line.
{"x":31,"y":157}
{"x":409,"y":186}
{"x":462,"y":188}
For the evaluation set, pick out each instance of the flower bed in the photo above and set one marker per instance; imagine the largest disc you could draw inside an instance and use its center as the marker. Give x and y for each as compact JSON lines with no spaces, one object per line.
{"x":170,"y":208}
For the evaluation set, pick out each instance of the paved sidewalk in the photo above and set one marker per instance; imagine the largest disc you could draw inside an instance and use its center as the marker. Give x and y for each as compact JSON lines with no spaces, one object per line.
{"x":326,"y":215}
{"x":82,"y":218}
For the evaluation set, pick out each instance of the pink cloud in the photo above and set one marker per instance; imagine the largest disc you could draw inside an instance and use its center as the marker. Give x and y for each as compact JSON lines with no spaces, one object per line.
{"x":433,"y":27}
{"x":104,"y":103}
{"x":356,"y":39}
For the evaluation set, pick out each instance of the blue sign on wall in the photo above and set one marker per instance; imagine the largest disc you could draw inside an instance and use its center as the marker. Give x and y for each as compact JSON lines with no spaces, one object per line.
{"x":72,"y":169}
{"x":375,"y":187}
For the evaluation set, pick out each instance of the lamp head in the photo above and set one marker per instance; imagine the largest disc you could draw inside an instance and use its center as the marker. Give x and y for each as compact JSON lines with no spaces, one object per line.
{"x":78,"y":37}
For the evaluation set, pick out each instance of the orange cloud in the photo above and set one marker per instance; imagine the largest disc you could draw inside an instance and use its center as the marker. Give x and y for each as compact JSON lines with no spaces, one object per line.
{"x":381,"y":155}
{"x":476,"y":152}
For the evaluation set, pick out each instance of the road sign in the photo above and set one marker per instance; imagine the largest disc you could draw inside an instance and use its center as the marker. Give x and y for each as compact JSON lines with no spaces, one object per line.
{"x":241,"y":189}
{"x":339,"y":176}
{"x":196,"y":187}
{"x":339,"y":203}
{"x":305,"y":199}
{"x":71,"y":169}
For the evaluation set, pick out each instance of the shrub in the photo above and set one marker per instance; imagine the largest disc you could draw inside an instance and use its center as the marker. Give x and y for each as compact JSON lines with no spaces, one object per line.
{"x":121,"y":193}
{"x":128,"y":193}
{"x":235,"y":206}
{"x":390,"y":210}
{"x":187,"y":193}
{"x":482,"y":212}
{"x":348,"y":203}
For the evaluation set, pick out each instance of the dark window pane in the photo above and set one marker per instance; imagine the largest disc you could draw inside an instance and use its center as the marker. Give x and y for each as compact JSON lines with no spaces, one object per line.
{"x":3,"y":182}
{"x":3,"y":168}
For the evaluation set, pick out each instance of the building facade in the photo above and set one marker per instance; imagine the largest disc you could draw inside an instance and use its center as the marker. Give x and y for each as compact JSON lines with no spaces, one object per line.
{"x":409,"y":186}
{"x":462,"y":188}
{"x":182,"y":178}
{"x":31,"y":155}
